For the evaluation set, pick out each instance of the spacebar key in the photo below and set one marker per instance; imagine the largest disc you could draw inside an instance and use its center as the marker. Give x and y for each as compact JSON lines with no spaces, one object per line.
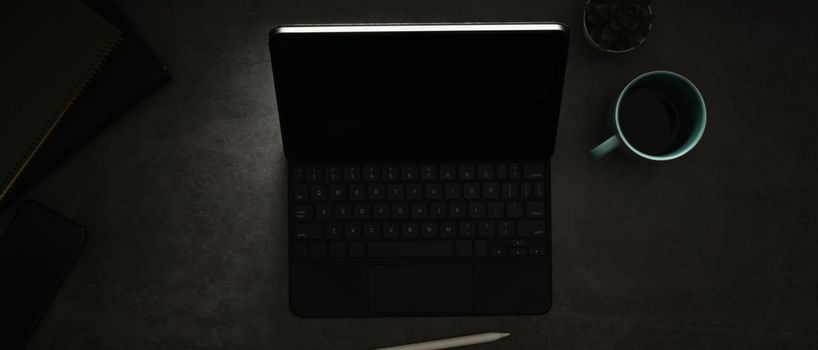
{"x":407,"y":249}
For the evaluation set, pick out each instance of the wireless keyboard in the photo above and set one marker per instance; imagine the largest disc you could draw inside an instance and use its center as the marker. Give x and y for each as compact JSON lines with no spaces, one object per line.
{"x":431,"y":210}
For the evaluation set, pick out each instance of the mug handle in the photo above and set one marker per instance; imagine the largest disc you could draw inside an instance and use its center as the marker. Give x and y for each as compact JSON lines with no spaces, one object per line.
{"x":605,"y":147}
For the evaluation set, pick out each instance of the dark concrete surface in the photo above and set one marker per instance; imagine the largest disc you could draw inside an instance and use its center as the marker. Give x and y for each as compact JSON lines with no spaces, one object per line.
{"x":184,"y":196}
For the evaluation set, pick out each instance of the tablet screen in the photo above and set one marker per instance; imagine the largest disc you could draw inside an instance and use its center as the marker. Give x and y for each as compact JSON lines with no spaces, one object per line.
{"x":419,"y":95}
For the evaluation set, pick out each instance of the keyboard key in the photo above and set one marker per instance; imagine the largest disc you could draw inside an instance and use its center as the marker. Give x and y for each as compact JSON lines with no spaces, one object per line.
{"x":375,"y":192}
{"x":511,"y":190}
{"x":352,"y":230}
{"x":372,"y":173}
{"x":337,"y":250}
{"x":477,"y":210}
{"x":408,"y":249}
{"x":400,"y":211}
{"x":298,"y":173}
{"x":463,"y":248}
{"x":471,"y":191}
{"x":466,"y":172}
{"x":481,"y":247}
{"x":303,"y":212}
{"x":309,"y":231}
{"x":372,"y":230}
{"x":514,"y":209}
{"x":534,"y":171}
{"x":391,"y":230}
{"x":448,"y":172}
{"x":323,"y":211}
{"x":314,"y":174}
{"x":357,"y":192}
{"x":301,"y":250}
{"x":414,"y":191}
{"x":495,"y":209}
{"x":428,"y":172}
{"x":419,"y":210}
{"x":531,"y":228}
{"x":498,"y":251}
{"x":361,"y":211}
{"x":505,"y":228}
{"x":516,"y":243}
{"x":438,"y":211}
{"x":516,"y":252}
{"x":457,"y":210}
{"x":410,"y":229}
{"x":338,"y":192}
{"x":356,"y":249}
{"x":343,"y":211}
{"x":485,"y":229}
{"x":448,"y":229}
{"x":526,"y":190}
{"x":433,"y":191}
{"x":467,"y":229}
{"x":318,"y":250}
{"x":452,"y":191}
{"x":318,"y":192}
{"x":502,"y":171}
{"x":535,"y":209}
{"x":514,"y":171}
{"x":409,"y":173}
{"x":333,"y":173}
{"x":300,"y":193}
{"x":491,"y":190}
{"x":539,"y":190}
{"x":334,"y":231}
{"x":394,"y":192}
{"x":352,"y":173}
{"x":536,"y":251}
{"x":380,"y":211}
{"x":391,"y":173}
{"x":485,"y":171}
{"x":429,"y":229}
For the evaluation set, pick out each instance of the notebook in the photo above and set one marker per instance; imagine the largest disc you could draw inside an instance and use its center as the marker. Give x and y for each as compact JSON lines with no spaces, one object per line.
{"x":130,"y":74}
{"x":52,"y":51}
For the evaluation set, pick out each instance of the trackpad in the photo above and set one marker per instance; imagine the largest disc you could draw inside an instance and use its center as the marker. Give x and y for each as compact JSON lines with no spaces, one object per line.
{"x":420,"y":288}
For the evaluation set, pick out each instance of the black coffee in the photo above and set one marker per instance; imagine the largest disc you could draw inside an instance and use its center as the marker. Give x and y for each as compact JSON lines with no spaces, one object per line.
{"x":650,"y":121}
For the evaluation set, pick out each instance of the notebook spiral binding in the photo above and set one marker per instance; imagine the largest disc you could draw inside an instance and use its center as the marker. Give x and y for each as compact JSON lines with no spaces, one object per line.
{"x":75,"y":93}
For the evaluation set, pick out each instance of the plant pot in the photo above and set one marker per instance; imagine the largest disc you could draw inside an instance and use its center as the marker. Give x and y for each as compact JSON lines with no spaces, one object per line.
{"x":595,"y":45}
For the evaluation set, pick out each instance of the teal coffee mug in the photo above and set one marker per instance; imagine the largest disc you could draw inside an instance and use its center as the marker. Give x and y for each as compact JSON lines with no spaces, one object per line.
{"x":660,"y":115}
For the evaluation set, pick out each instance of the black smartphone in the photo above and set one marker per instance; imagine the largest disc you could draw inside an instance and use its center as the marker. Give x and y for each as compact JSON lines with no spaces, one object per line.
{"x":36,"y":252}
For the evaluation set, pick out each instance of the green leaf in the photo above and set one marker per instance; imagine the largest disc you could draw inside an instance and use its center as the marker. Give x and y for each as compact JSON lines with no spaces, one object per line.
{"x":633,"y":36}
{"x":604,"y":10}
{"x":607,"y":37}
{"x":609,"y":33}
{"x":596,"y":18}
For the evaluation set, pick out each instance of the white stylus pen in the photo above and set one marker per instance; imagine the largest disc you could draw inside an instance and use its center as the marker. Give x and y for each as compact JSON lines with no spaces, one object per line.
{"x":450,"y":342}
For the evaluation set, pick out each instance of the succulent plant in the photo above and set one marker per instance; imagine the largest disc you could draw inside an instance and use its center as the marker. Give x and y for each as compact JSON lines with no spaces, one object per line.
{"x":618,"y":24}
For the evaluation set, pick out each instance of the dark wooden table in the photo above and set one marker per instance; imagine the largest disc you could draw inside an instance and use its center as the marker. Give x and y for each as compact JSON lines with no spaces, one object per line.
{"x":184,"y":197}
